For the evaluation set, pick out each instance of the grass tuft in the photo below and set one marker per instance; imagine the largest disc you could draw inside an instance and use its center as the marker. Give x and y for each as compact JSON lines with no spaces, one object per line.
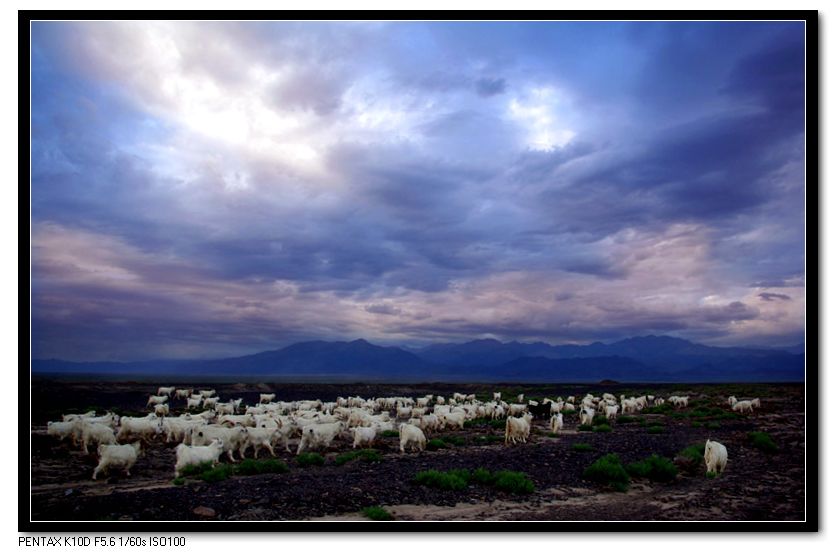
{"x":693,"y":453}
{"x":762,"y":441}
{"x":377,"y":513}
{"x":435,"y":444}
{"x":602,"y":428}
{"x":663,"y":408}
{"x":250,"y":466}
{"x":193,"y":470}
{"x":220,"y":472}
{"x":655,"y":468}
{"x":487,"y":439}
{"x":582,"y":447}
{"x":310,"y":459}
{"x":482,"y":476}
{"x":599,"y":420}
{"x":458,"y":479}
{"x":608,"y":470}
{"x":453,"y":480}
{"x":366,"y":455}
{"x":513,"y":482}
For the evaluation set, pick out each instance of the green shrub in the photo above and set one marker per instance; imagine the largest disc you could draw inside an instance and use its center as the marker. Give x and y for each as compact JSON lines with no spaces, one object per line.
{"x":454,"y":440}
{"x":627,"y":419}
{"x":452,"y":480}
{"x":377,"y":513}
{"x":220,"y":472}
{"x":656,"y":429}
{"x":390,"y":433}
{"x":346,"y":457}
{"x":710,"y":474}
{"x":603,"y":428}
{"x":582,"y":447}
{"x":696,"y":424}
{"x":513,"y":482}
{"x":762,"y":441}
{"x":251,"y":466}
{"x":694,"y":454}
{"x":179,"y":481}
{"x":480,"y":422}
{"x":663,"y":408}
{"x":599,"y":420}
{"x":584,"y":427}
{"x":653,"y":467}
{"x":193,"y":470}
{"x":366,"y":455}
{"x":482,"y":476}
{"x":608,"y":470}
{"x":497,"y":424}
{"x":487,"y":439}
{"x":435,"y":444}
{"x":566,"y":411}
{"x":712,"y":425}
{"x":310,"y":459}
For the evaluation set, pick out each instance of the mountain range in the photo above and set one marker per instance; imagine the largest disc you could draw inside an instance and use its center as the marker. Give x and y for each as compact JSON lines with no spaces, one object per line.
{"x":637,"y":359}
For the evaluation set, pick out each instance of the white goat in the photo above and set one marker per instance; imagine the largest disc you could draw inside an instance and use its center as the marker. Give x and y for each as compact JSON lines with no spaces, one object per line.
{"x":196,"y":455}
{"x":117,"y":456}
{"x":156,"y":399}
{"x":319,"y":435}
{"x":363,"y":435}
{"x":97,"y":434}
{"x":145,"y":428}
{"x":556,"y":423}
{"x":517,"y":428}
{"x":412,"y":436}
{"x":716,"y":456}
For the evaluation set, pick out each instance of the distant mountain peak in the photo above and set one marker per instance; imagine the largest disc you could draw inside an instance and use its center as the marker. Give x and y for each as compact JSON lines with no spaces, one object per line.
{"x":641,"y":358}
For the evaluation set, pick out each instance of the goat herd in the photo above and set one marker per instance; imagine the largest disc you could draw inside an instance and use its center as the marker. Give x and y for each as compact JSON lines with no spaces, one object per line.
{"x":208,"y":428}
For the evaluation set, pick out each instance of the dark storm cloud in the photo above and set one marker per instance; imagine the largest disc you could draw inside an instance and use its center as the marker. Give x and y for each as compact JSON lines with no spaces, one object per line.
{"x":236,"y":185}
{"x":383,"y":308}
{"x":490,"y":86}
{"x":772,"y":296}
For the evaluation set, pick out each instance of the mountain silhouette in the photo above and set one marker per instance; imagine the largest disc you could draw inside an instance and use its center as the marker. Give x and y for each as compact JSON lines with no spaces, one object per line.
{"x":646,"y":358}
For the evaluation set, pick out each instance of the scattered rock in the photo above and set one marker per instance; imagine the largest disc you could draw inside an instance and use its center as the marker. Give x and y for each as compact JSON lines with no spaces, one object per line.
{"x":204,"y":511}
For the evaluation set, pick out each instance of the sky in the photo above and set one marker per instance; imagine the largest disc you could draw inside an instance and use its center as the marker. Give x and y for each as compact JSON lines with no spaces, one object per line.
{"x":205,"y":189}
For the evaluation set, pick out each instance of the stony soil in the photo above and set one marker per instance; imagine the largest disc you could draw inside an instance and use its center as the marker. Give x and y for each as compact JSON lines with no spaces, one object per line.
{"x":755,"y":486}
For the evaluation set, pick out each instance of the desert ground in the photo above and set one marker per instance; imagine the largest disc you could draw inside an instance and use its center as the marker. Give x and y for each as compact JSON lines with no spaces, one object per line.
{"x":757,"y":484}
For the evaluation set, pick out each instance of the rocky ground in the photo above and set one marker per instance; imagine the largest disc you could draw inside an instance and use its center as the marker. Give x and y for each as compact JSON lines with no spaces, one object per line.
{"x":756,"y":485}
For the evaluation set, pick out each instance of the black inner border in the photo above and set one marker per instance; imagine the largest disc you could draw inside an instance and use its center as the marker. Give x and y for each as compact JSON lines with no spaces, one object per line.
{"x":813,"y":393}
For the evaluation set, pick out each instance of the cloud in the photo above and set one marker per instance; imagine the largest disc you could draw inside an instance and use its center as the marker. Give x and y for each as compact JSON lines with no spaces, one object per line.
{"x":383,"y":308}
{"x":213,"y":188}
{"x":772,"y":296}
{"x":490,"y":86}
